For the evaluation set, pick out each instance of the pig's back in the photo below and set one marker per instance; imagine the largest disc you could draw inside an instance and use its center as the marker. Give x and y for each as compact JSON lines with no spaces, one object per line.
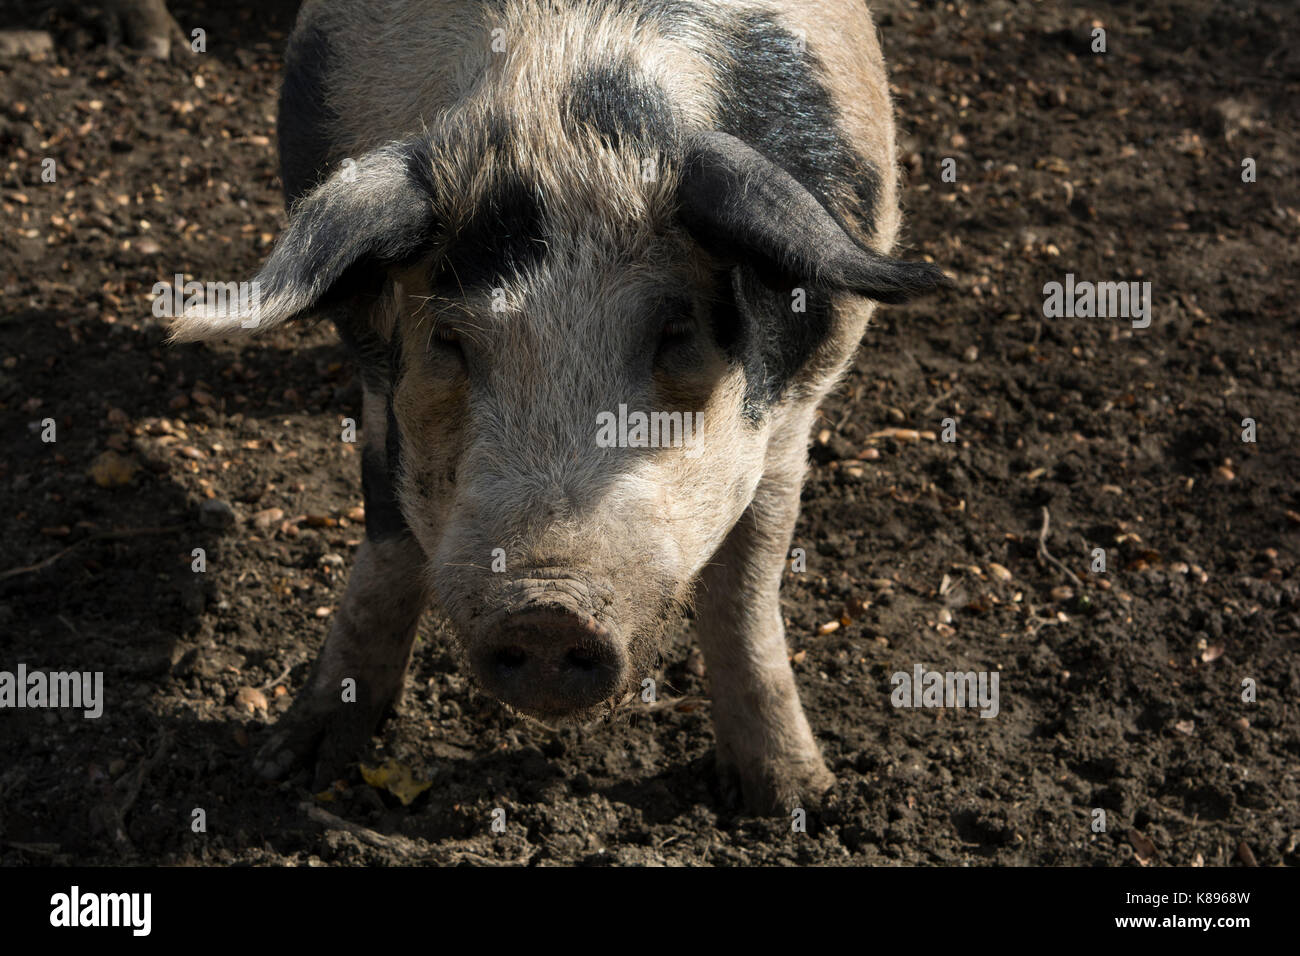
{"x":800,"y":80}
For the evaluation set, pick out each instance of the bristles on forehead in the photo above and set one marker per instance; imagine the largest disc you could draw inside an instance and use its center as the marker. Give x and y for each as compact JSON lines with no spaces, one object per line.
{"x":578,"y":106}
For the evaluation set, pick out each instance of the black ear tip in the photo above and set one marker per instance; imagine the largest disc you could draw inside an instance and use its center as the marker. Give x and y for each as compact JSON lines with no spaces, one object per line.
{"x":927,"y":276}
{"x":895,"y":282}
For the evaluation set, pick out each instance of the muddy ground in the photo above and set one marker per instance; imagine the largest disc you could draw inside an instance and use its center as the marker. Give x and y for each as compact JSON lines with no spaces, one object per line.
{"x":1121,"y":691}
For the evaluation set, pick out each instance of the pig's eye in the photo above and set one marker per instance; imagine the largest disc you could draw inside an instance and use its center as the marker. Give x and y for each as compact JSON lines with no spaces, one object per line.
{"x":446,"y":342}
{"x":447,"y":338}
{"x":676,"y":331}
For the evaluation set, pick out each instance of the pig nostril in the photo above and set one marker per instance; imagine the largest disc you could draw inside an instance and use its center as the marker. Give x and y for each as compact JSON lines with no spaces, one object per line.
{"x":582,"y":660}
{"x":508,"y":659}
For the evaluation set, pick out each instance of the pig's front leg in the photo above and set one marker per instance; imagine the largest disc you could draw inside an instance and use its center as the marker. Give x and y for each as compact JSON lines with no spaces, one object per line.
{"x":764,"y":742}
{"x":370,"y":639}
{"x":370,"y":642}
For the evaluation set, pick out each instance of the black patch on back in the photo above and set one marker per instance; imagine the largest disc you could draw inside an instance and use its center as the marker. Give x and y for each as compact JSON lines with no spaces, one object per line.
{"x":774,"y":101}
{"x":304,"y":119}
{"x":621,"y":106}
{"x":506,"y":232}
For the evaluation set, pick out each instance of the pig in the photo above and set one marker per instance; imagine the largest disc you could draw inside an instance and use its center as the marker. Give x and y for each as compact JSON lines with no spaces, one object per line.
{"x":524,"y":218}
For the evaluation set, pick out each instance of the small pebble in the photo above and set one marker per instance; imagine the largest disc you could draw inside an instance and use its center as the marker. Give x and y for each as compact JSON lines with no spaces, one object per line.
{"x":999,"y":572}
{"x":215,"y":513}
{"x":264,"y":520}
{"x":250,"y":699}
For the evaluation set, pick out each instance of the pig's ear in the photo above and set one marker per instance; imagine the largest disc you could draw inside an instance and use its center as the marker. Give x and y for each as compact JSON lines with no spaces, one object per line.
{"x":372,"y":213}
{"x":738,"y":203}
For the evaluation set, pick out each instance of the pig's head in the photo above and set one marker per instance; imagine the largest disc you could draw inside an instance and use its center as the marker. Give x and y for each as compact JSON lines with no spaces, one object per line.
{"x":580,"y":360}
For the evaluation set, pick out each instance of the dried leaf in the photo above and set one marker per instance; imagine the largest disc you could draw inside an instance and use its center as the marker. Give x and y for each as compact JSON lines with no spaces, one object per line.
{"x":396,"y":778}
{"x":1143,"y":847}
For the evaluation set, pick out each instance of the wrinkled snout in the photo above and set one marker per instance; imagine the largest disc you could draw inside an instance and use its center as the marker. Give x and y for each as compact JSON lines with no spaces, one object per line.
{"x":550,"y":661}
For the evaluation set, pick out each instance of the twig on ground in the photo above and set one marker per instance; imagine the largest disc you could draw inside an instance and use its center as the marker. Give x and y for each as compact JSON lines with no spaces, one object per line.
{"x":99,"y":536}
{"x":50,"y":850}
{"x":382,"y":841}
{"x":405,"y":846}
{"x":112,"y":816}
{"x":940,"y":398}
{"x":271,"y":683}
{"x":1045,"y":555}
{"x":667,"y":703}
{"x":144,"y":769}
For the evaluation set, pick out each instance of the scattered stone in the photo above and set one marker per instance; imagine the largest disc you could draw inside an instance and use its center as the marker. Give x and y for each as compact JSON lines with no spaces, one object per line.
{"x":265,"y":520}
{"x":1144,"y":848}
{"x":250,"y":699}
{"x":215,"y":513}
{"x":999,"y":572}
{"x":16,"y":43}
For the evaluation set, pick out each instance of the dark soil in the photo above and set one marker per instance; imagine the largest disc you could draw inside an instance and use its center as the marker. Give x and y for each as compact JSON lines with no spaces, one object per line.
{"x":1122,"y":693}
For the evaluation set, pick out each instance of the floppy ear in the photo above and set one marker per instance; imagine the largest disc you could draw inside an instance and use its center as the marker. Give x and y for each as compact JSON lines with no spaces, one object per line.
{"x":368,"y":215}
{"x":736,"y":201}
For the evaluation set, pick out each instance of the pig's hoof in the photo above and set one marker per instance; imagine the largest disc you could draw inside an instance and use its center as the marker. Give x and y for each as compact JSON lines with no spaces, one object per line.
{"x":292,"y":744}
{"x":776,"y":787}
{"x":326,"y":742}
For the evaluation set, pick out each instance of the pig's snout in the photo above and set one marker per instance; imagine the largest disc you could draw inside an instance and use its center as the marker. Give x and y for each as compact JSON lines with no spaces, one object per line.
{"x":550,"y":661}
